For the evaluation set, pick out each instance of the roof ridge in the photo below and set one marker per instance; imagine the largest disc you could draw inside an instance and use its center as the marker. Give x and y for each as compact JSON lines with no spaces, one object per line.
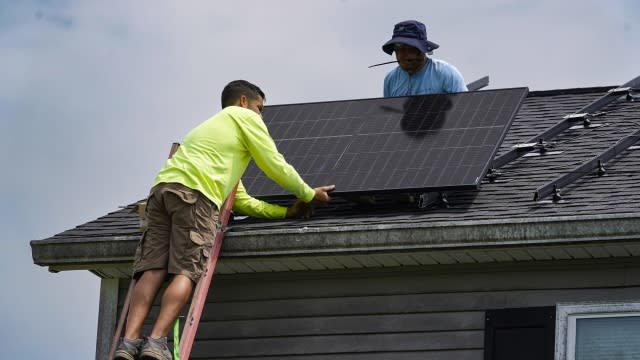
{"x":572,"y":91}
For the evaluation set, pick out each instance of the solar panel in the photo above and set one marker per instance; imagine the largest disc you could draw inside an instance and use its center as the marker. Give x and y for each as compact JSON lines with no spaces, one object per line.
{"x":400,"y":144}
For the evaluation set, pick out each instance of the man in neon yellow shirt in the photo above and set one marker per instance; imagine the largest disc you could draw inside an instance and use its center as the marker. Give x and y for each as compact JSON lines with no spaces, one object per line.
{"x":183,"y":204}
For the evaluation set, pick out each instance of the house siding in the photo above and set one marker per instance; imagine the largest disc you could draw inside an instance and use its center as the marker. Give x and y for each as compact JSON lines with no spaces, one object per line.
{"x":426,"y":312}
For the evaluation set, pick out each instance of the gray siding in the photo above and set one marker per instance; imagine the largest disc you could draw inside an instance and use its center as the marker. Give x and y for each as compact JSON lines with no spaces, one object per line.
{"x":402,"y":313}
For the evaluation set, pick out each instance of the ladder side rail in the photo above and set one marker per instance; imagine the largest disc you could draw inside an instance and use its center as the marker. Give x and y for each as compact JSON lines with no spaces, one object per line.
{"x":202,"y":288}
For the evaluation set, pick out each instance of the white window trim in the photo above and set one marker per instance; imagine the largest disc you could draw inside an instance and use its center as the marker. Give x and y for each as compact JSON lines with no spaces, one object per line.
{"x":568,"y":313}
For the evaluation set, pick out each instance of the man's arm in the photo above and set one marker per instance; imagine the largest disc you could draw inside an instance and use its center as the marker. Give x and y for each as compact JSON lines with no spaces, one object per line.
{"x":263,"y":150}
{"x":455,"y":81}
{"x":250,"y":206}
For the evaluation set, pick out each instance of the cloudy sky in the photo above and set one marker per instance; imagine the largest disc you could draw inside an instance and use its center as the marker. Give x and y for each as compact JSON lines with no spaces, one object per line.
{"x":92,"y":94}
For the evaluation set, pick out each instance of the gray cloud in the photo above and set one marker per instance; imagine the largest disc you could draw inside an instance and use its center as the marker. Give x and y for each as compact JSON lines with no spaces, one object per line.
{"x":92,"y":95}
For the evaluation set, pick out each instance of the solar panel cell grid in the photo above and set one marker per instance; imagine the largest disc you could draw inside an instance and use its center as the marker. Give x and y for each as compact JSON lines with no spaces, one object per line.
{"x":418,"y":143}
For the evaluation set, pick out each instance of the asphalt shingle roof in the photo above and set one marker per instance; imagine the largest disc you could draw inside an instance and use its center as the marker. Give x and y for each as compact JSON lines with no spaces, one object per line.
{"x":509,"y":196}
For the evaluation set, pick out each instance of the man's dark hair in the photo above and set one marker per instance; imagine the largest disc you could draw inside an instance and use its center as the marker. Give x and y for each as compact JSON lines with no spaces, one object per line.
{"x":232,"y":92}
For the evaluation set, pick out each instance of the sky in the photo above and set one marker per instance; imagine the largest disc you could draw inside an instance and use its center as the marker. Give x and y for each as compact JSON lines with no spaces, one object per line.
{"x":93,"y":93}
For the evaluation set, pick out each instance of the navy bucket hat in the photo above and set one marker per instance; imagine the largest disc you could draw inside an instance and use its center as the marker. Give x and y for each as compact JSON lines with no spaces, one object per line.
{"x":412,"y":33}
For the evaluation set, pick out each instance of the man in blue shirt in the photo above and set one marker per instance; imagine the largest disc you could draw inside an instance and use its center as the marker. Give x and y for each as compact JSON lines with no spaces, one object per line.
{"x":416,"y":73}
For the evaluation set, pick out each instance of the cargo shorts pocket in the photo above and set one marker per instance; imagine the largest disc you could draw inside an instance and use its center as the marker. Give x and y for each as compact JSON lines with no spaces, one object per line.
{"x":204,"y":243}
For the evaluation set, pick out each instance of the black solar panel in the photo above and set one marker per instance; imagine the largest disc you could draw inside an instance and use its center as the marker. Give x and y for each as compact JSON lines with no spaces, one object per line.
{"x":403,"y":144}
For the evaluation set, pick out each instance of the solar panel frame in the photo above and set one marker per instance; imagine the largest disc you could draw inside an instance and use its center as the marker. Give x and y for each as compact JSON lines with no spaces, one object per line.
{"x":369,"y":146}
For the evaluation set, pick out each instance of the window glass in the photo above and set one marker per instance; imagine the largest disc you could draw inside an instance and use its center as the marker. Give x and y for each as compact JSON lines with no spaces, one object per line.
{"x":616,"y":338}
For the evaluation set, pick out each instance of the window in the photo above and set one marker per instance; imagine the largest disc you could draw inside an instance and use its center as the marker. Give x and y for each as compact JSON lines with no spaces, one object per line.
{"x":586,"y":331}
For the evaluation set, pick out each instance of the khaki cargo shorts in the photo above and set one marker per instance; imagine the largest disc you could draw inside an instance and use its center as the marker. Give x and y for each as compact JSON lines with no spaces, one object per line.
{"x":181,"y":229}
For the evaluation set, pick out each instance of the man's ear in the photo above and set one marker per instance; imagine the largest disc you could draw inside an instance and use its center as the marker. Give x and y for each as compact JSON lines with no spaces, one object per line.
{"x":243,"y":101}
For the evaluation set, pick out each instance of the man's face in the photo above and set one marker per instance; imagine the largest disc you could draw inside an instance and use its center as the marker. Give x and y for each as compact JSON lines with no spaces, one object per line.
{"x":409,"y":58}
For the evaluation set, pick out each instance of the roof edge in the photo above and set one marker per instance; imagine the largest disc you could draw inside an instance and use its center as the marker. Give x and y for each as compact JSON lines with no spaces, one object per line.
{"x":526,"y":232}
{"x":437,"y":235}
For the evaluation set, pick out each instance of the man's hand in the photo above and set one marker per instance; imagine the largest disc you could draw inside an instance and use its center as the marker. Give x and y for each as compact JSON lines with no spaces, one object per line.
{"x":300,"y":209}
{"x":322,"y":194}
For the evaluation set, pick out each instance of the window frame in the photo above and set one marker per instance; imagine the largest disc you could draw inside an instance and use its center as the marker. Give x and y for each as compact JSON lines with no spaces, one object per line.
{"x":567,"y":315}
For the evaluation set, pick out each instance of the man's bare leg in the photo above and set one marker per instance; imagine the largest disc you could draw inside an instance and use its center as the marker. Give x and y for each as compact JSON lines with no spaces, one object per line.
{"x":142,"y":298}
{"x":173,"y":300}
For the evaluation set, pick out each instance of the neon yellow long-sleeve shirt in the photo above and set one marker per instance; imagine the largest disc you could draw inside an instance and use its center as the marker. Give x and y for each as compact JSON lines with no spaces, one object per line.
{"x":215,"y":154}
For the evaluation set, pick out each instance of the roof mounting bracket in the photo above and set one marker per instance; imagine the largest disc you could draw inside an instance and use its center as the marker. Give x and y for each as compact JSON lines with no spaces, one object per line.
{"x":587,"y":167}
{"x":556,"y":194}
{"x":492,"y":175}
{"x":579,"y":116}
{"x":601,"y":170}
{"x":541,"y":148}
{"x":620,"y":90}
{"x":557,"y":197}
{"x":426,"y":199}
{"x":541,"y":145}
{"x":585,"y":118}
{"x":524,"y":147}
{"x":444,"y":202}
{"x":433,"y":199}
{"x":611,"y":96}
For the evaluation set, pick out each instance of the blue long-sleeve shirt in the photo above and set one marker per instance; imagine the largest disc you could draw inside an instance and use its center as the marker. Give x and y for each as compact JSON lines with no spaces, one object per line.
{"x":435,"y":77}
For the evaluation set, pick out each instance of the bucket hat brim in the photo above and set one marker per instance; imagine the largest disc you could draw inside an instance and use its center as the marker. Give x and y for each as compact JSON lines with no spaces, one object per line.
{"x":425,"y":46}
